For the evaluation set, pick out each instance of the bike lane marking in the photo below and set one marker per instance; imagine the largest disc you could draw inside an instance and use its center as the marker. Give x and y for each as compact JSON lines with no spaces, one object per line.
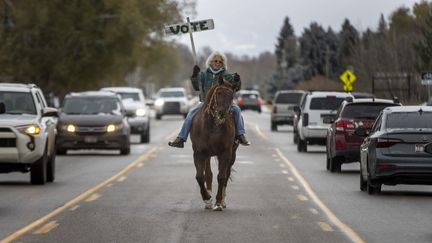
{"x":333,"y":218}
{"x":77,"y":199}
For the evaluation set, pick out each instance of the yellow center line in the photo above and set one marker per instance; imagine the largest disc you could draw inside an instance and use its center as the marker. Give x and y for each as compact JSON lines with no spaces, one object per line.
{"x":336,"y":221}
{"x":74,"y":201}
{"x":46,"y":228}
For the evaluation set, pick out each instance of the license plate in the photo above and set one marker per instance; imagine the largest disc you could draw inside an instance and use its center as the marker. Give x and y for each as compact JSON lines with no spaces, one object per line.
{"x":90,"y":139}
{"x":419,"y":147}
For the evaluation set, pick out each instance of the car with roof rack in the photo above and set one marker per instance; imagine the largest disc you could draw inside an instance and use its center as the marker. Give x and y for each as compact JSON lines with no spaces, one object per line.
{"x":27,"y":132}
{"x":314,"y":108}
{"x":93,"y":120}
{"x":343,"y":144}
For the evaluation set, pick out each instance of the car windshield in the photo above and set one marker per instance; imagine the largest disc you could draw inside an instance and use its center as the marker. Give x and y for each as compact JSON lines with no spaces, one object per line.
{"x":326,"y":103}
{"x":91,"y":105}
{"x":129,"y":96}
{"x":165,"y":94}
{"x":18,"y":103}
{"x":363,"y":111}
{"x":289,"y":98}
{"x":414,"y":120}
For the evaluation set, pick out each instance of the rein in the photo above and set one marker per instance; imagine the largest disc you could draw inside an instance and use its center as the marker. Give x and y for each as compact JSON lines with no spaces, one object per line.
{"x":211,"y":106}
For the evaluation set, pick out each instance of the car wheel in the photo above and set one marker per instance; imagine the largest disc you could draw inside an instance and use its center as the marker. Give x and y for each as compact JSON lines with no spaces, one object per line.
{"x":38,"y":171}
{"x":125,"y":151}
{"x":51,"y":168}
{"x":295,"y":137}
{"x":371,"y":187}
{"x":302,"y":145}
{"x":327,"y":160}
{"x":335,"y":164}
{"x":273,"y":126}
{"x":145,"y":137}
{"x":158,"y":116}
{"x":61,"y":151}
{"x":363,"y":183}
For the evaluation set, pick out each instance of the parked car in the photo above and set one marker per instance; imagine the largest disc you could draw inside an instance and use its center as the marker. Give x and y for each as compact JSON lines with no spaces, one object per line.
{"x":398,"y":149}
{"x":171,"y":101}
{"x":283,"y":107}
{"x":27,"y":132}
{"x":248,"y":100}
{"x":137,"y":112}
{"x":93,"y":120}
{"x":315,"y":107}
{"x":343,"y":145}
{"x":362,"y":95}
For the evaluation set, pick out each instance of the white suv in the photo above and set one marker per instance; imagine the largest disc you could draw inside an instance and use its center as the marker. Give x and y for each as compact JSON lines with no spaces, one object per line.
{"x":27,"y":132}
{"x":138,"y":115}
{"x":314,"y":107}
{"x":171,"y":101}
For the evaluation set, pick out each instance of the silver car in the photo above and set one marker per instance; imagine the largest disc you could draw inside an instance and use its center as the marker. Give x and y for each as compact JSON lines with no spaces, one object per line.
{"x":27,"y":132}
{"x":398,"y":149}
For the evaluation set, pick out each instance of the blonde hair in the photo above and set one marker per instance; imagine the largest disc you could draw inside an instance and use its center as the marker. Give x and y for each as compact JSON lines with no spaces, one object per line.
{"x":215,"y":54}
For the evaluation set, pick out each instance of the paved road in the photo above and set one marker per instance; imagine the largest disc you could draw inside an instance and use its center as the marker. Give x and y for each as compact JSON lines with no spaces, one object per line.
{"x":277,"y":195}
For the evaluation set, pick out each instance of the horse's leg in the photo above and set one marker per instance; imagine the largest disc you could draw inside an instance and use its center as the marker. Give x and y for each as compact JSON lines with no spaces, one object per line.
{"x":224,"y":160}
{"x":208,"y":176}
{"x":200,"y":166}
{"x":229,"y":170}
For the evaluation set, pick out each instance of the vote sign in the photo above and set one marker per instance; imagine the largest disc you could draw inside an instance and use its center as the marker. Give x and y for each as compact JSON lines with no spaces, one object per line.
{"x":183,"y":28}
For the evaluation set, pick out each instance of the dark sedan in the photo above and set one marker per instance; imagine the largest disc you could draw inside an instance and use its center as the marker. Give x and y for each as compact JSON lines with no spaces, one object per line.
{"x":92,"y":120}
{"x":398,"y":149}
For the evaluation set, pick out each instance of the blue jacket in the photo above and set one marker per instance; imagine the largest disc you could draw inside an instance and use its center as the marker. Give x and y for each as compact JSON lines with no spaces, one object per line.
{"x":205,"y":80}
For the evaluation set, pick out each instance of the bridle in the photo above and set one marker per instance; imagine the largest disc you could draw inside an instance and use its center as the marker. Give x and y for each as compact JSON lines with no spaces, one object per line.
{"x":212,"y":105}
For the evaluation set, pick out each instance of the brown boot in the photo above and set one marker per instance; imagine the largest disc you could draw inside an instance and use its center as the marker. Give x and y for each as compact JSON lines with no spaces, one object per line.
{"x":178,"y":143}
{"x":242,"y":140}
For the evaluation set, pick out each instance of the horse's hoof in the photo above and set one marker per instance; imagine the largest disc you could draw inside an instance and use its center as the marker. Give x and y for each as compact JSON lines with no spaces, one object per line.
{"x":217,"y":207}
{"x":208,"y":204}
{"x":223,"y":204}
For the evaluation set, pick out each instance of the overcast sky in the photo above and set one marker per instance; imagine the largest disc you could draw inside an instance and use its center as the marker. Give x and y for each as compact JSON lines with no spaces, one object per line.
{"x":247,"y":27}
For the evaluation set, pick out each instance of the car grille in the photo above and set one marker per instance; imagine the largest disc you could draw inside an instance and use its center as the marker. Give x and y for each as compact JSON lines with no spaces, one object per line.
{"x":171,"y":108}
{"x":5,"y":129}
{"x":7,"y":142}
{"x":91,"y":130}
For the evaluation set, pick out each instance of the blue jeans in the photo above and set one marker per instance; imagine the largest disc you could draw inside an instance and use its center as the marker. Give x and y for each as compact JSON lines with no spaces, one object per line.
{"x":238,"y":120}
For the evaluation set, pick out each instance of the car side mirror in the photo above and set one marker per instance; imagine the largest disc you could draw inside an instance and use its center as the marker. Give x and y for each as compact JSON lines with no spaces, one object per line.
{"x":2,"y":108}
{"x":361,"y":131}
{"x":296,"y":109}
{"x":50,"y":112}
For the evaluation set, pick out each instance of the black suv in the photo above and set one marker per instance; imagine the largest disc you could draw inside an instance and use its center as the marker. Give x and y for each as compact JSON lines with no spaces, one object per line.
{"x":93,"y":120}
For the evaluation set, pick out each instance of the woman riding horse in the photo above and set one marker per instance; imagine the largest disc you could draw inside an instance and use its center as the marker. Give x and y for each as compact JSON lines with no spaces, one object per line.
{"x":203,"y":81}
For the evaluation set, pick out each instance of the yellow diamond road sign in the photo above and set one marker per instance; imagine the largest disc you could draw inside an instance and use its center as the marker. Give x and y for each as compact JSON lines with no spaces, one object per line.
{"x":347,"y":87}
{"x":348,"y":77}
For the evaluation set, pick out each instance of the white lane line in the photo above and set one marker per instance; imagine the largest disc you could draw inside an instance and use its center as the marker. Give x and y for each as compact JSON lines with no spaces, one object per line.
{"x":325,"y":227}
{"x":74,"y":207}
{"x":284,"y":172}
{"x":295,"y":187}
{"x":335,"y":220}
{"x":313,"y":211}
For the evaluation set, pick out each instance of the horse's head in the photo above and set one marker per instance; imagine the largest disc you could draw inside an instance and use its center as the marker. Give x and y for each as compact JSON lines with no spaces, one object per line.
{"x":220,"y":100}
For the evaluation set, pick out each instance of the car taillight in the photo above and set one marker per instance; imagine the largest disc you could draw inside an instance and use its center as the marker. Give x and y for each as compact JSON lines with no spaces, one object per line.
{"x":341,"y":125}
{"x":305,"y":120}
{"x":259,"y":101}
{"x":240,"y":101}
{"x":387,"y":142}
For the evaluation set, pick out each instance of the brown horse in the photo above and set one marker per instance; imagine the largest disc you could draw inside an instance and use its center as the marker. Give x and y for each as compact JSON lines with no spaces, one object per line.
{"x":213,"y":134}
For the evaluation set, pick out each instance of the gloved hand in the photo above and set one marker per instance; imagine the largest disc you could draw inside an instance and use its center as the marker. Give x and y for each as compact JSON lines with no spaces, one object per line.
{"x":236,"y":77}
{"x":196,"y":70}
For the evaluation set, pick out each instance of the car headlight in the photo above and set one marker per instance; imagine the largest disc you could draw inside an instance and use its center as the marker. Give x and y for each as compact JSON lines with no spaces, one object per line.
{"x":30,"y":129}
{"x":113,"y":127}
{"x":159,"y":102}
{"x":71,"y":128}
{"x":140,"y":112}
